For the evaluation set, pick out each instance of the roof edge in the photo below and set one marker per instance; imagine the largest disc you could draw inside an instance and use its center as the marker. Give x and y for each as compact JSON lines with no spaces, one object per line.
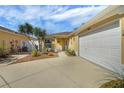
{"x":98,"y":18}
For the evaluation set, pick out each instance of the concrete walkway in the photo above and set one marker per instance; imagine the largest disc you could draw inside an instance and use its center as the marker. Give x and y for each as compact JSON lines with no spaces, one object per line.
{"x":60,"y":72}
{"x":11,"y":59}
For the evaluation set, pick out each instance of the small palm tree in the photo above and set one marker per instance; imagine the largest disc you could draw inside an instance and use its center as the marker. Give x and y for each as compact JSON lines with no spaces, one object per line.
{"x":40,"y":34}
{"x":42,"y":37}
{"x":27,"y":29}
{"x":37,"y":34}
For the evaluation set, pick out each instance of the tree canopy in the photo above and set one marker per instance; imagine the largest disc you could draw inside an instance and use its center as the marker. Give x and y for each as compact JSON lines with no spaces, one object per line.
{"x":28,"y":30}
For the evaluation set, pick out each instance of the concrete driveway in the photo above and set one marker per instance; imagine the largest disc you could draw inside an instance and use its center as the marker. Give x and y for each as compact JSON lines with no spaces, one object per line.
{"x":60,"y":72}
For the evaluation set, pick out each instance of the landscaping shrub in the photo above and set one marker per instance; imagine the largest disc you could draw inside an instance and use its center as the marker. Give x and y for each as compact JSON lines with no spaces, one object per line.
{"x":45,"y":50}
{"x":70,"y":52}
{"x":114,"y":84}
{"x":35,"y":53}
{"x":114,"y":79}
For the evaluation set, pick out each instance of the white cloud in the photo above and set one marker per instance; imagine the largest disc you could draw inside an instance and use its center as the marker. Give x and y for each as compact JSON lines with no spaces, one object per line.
{"x":78,"y":16}
{"x":55,"y":13}
{"x":69,"y":14}
{"x":50,"y":14}
{"x":28,"y":13}
{"x":84,"y":17}
{"x":76,"y":12}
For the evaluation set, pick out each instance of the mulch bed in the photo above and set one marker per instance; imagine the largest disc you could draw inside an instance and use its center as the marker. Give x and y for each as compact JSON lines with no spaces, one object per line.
{"x":113,"y":84}
{"x":30,"y":58}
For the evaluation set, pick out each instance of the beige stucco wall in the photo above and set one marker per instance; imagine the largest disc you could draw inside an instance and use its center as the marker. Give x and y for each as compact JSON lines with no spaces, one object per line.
{"x":123,"y":50}
{"x":7,"y":37}
{"x":73,"y":44}
{"x":122,"y":39}
{"x":59,"y":43}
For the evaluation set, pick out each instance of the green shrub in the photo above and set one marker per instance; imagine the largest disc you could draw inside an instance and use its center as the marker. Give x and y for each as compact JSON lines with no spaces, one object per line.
{"x":45,"y":50}
{"x":71,"y":52}
{"x":35,"y":53}
{"x":114,"y":79}
{"x":113,"y":84}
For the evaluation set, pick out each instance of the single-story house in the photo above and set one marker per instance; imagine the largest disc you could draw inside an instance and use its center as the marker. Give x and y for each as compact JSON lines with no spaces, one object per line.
{"x":101,"y":39}
{"x":14,"y":41}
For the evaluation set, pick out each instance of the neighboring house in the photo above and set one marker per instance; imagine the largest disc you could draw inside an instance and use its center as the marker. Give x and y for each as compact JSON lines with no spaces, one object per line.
{"x":101,"y":39}
{"x":14,"y":41}
{"x":59,"y":41}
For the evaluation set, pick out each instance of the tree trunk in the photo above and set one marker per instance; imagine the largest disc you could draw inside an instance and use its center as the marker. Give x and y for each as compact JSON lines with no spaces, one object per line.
{"x":32,"y":43}
{"x":39,"y":45}
{"x":43,"y":45}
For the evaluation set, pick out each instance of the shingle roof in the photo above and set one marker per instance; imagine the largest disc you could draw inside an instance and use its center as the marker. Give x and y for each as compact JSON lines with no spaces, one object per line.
{"x":9,"y":30}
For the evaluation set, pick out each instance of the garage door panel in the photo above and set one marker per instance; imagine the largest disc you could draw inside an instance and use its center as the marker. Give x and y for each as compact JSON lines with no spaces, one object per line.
{"x":108,"y":42}
{"x":115,"y":53}
{"x":103,"y":47}
{"x":111,"y":42}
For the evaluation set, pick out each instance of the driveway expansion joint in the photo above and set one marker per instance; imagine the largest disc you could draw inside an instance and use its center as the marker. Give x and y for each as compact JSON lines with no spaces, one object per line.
{"x":6,"y":83}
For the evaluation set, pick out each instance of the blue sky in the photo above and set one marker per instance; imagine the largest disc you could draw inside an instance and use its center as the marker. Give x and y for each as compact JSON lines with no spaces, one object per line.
{"x":50,"y":17}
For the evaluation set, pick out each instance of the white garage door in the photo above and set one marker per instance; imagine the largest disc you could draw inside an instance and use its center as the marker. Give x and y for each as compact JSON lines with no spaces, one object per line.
{"x":102,"y":46}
